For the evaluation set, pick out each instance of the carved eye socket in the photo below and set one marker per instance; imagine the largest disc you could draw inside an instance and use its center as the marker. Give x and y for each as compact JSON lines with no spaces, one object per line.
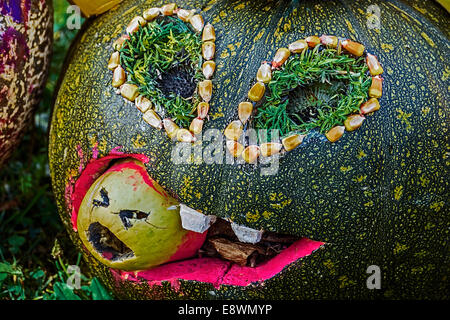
{"x":314,"y":90}
{"x":163,"y":64}
{"x":127,"y":221}
{"x":319,"y":84}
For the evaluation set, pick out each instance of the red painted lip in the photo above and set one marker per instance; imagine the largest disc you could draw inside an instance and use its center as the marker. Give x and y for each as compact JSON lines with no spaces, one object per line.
{"x":220,"y":272}
{"x":208,"y":270}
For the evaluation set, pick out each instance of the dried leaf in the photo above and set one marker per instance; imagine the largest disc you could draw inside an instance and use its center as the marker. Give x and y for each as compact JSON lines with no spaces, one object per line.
{"x":233,"y":251}
{"x":223,"y":243}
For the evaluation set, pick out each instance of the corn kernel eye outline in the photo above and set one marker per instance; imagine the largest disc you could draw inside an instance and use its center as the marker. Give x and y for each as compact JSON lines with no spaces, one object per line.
{"x":246,"y":109}
{"x":204,"y":88}
{"x":236,"y":129}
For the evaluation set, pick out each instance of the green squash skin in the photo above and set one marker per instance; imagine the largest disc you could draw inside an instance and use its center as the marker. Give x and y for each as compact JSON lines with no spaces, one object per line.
{"x":377,"y":196}
{"x":25,"y":81}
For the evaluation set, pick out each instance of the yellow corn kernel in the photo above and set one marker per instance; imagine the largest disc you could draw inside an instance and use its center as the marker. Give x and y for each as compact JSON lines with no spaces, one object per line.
{"x":205,"y":90}
{"x":129,"y":91}
{"x":264,"y":73}
{"x":152,"y":118}
{"x":208,"y":50}
{"x":185,"y":15}
{"x":134,"y":25}
{"x":329,"y":41}
{"x":197,"y":22}
{"x":209,"y":34}
{"x":114,"y":61}
{"x":298,"y":46}
{"x":355,"y":48}
{"x":196,"y":126}
{"x":353,"y":122}
{"x":235,"y":148}
{"x":245,"y":109}
{"x":170,"y":127}
{"x":118,"y":77}
{"x":335,"y":133}
{"x":184,"y":135}
{"x":376,"y":88}
{"x":143,"y":104}
{"x":373,"y":64}
{"x":292,"y":142}
{"x":118,"y":44}
{"x":281,"y":56}
{"x":257,"y":91}
{"x":208,"y":69}
{"x":369,"y":106}
{"x":251,"y":154}
{"x":151,"y":14}
{"x":312,"y":41}
{"x":168,"y":9}
{"x":270,"y":148}
{"x":202,"y":110}
{"x":234,"y":130}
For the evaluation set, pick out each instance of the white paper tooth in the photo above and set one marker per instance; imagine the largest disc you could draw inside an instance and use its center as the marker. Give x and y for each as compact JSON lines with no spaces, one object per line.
{"x":246,"y":234}
{"x":195,"y":221}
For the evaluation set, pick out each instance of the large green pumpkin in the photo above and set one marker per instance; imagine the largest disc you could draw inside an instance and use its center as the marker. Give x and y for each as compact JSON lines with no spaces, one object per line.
{"x":26,"y":33}
{"x":376,"y":197}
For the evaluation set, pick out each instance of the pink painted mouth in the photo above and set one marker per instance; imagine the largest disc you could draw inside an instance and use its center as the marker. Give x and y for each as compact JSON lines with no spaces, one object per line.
{"x":220,"y":272}
{"x":211,"y":270}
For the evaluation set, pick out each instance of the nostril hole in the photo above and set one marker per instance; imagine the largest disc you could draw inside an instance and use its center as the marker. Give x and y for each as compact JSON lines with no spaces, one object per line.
{"x":107,"y":244}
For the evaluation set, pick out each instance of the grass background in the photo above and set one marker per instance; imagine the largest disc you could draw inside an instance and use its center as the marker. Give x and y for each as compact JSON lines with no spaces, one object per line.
{"x":35,"y":250}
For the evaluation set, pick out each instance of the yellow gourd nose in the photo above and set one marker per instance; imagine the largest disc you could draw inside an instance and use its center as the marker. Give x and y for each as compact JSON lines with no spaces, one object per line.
{"x":94,"y":7}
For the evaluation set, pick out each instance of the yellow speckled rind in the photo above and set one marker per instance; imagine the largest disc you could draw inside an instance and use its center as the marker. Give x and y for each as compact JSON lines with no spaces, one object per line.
{"x":377,"y":196}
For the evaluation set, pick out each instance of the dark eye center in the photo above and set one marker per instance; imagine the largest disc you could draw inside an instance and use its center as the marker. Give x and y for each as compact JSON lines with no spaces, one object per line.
{"x":304,"y":103}
{"x":178,"y":81}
